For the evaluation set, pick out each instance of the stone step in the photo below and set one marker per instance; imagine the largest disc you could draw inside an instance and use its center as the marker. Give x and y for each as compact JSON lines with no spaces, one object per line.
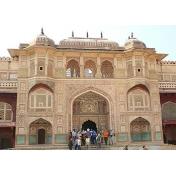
{"x":42,"y":147}
{"x":94,"y":147}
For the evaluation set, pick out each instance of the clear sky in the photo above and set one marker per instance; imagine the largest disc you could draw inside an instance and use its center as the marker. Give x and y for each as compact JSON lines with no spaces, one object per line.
{"x":21,"y":21}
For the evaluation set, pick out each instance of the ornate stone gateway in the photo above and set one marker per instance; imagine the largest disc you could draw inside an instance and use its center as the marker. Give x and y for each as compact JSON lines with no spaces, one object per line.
{"x":88,"y":107}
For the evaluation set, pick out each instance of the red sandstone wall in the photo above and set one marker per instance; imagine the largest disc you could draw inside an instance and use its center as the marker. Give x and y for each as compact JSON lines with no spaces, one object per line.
{"x":165,"y":97}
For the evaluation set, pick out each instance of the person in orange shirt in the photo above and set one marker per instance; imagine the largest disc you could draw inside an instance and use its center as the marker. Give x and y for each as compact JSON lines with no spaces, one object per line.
{"x":105,"y":136}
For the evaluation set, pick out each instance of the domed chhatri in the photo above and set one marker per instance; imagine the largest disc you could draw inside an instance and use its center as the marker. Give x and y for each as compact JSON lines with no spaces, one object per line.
{"x":133,"y":42}
{"x":88,"y":43}
{"x":43,"y":40}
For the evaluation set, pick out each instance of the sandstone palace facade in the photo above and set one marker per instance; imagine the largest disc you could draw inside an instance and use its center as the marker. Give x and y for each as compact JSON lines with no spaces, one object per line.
{"x":48,"y":89}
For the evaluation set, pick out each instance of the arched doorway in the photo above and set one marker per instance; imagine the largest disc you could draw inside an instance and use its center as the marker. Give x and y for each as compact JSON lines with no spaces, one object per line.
{"x":90,"y":106}
{"x":140,"y":130}
{"x":40,"y":132}
{"x":169,"y":122}
{"x":41,"y":136}
{"x":89,"y":124}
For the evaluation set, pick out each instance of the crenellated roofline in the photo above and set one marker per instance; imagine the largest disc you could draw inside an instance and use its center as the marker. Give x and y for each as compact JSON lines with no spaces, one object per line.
{"x":168,"y":62}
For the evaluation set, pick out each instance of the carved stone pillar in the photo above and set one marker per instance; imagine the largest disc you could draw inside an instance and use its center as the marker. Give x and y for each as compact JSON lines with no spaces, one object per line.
{"x":115,"y":68}
{"x":98,"y":74}
{"x":36,"y":64}
{"x":81,"y":67}
{"x":81,"y":71}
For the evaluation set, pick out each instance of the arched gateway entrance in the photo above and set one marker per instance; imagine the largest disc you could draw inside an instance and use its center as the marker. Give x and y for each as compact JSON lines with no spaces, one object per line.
{"x":89,"y":124}
{"x":90,"y":110}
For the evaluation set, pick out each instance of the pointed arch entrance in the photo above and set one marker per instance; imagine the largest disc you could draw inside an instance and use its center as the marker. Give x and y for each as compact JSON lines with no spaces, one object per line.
{"x":89,"y":125}
{"x":91,"y":107}
{"x":140,"y":130}
{"x":40,"y":132}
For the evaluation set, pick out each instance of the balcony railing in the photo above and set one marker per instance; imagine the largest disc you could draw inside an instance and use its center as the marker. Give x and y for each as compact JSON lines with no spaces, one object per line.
{"x":8,"y":84}
{"x":167,"y":85}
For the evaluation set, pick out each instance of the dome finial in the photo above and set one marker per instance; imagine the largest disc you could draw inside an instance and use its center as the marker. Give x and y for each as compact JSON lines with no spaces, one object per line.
{"x":42,"y":31}
{"x":72,"y":33}
{"x":101,"y":34}
{"x":132,"y":35}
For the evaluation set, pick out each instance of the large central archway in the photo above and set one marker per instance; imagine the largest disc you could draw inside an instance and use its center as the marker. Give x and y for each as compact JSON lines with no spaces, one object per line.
{"x":90,"y":106}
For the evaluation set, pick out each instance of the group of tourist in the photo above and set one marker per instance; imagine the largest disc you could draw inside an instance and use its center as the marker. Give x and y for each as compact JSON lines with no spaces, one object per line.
{"x":90,"y":137}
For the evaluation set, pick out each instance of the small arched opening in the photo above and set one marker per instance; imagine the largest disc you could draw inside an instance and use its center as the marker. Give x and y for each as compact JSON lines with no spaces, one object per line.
{"x":140,"y":130}
{"x":90,"y":69}
{"x":107,"y":69}
{"x":73,"y":69}
{"x":40,"y":132}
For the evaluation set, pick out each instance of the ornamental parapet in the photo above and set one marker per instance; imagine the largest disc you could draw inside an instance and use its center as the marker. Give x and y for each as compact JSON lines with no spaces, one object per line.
{"x":8,"y":84}
{"x":7,"y":124}
{"x":167,"y":85}
{"x":5,"y":58}
{"x":168,"y":62}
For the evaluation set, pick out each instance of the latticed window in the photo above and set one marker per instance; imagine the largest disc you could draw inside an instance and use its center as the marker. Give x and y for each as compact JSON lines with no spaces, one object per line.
{"x":41,"y":98}
{"x":5,"y":111}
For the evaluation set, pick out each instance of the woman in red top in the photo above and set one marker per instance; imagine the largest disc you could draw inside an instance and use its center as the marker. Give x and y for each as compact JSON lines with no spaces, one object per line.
{"x":106,"y":135}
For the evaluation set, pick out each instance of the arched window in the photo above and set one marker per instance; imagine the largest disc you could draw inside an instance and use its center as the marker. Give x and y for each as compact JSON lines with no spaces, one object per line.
{"x":138,"y":100}
{"x":40,"y":98}
{"x":6,"y":113}
{"x":140,"y":130}
{"x":73,"y":69}
{"x":90,"y":69}
{"x":107,"y":69}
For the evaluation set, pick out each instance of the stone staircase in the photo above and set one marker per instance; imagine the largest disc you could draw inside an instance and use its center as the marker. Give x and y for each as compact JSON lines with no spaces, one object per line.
{"x":94,"y":147}
{"x":42,"y":147}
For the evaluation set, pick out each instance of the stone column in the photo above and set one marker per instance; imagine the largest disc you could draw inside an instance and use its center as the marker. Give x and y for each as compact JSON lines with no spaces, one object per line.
{"x":81,"y":67}
{"x":46,"y":65}
{"x":134,"y":65}
{"x":64,"y":66}
{"x":98,"y":74}
{"x":36,"y":64}
{"x":53,"y":138}
{"x":115,"y":75}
